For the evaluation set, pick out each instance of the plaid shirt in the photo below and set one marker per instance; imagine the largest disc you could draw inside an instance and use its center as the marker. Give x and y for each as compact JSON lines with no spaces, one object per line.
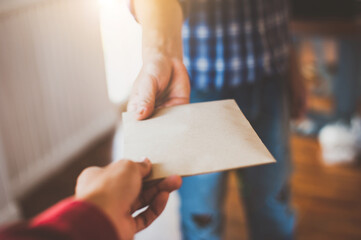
{"x":230,"y":42}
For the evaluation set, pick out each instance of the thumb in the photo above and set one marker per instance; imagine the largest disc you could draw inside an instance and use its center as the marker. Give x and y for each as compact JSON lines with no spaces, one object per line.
{"x":142,"y":100}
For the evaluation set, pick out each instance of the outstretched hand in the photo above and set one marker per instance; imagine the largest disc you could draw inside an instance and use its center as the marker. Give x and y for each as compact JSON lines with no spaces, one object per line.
{"x":118,"y":190}
{"x":162,"y":82}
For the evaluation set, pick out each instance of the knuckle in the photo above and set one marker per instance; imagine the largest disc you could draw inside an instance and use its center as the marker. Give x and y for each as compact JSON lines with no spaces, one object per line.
{"x":88,"y":173}
{"x":128,"y":165}
{"x":90,"y":170}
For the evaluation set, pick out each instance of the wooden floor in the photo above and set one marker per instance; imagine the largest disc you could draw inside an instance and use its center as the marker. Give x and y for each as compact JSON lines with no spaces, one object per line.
{"x":327,"y":199}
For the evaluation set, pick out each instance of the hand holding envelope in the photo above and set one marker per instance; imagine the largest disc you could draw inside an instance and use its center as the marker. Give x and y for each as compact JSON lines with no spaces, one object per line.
{"x":194,"y":139}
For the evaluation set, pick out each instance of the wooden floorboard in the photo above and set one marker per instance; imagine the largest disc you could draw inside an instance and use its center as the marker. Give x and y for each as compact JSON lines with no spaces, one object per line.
{"x":327,"y":199}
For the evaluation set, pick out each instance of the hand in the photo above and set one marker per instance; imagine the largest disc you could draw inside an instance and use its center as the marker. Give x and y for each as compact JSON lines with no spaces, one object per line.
{"x":117,"y":190}
{"x":162,"y":82}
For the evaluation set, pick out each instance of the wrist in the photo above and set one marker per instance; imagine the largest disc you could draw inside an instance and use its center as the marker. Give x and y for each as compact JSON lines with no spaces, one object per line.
{"x":156,"y":43}
{"x":161,"y":22}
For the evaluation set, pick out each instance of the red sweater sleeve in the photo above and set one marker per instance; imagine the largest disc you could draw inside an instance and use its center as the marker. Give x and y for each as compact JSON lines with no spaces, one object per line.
{"x":69,"y":219}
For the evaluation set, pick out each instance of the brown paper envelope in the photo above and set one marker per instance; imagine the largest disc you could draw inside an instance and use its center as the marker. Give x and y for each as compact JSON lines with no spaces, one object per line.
{"x":194,"y":139}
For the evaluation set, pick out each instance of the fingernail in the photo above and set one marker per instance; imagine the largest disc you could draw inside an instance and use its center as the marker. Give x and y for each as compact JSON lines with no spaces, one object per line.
{"x":141,"y":111}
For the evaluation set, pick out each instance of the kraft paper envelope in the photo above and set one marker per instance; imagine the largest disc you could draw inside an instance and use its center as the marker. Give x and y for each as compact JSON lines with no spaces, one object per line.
{"x":194,"y":139}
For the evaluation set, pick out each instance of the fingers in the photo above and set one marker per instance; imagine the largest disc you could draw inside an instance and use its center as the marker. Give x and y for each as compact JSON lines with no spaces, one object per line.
{"x":155,"y":209}
{"x":146,"y":101}
{"x":167,"y":185}
{"x":130,"y":168}
{"x":180,"y":89}
{"x":144,"y":167}
{"x":174,"y":102}
{"x":162,"y":83}
{"x":142,"y":99}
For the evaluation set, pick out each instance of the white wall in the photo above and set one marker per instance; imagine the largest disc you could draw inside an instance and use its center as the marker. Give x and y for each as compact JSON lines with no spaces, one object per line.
{"x":53,"y":93}
{"x":8,"y":209}
{"x":9,"y":5}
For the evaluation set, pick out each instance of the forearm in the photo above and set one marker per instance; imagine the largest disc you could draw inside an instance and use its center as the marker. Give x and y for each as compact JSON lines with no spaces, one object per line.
{"x":161,"y":22}
{"x":163,"y":80}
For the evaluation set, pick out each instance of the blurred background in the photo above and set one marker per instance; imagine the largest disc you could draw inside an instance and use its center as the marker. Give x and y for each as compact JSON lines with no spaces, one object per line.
{"x":66,"y":69}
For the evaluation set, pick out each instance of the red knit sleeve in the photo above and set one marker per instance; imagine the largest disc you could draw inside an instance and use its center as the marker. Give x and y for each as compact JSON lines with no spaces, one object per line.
{"x":69,"y":219}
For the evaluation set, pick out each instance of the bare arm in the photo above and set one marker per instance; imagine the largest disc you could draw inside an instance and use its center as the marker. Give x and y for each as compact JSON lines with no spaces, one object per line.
{"x":161,"y":22}
{"x":163,"y":79}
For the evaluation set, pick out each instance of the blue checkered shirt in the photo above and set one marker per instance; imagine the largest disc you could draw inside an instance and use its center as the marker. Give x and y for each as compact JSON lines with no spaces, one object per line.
{"x":231,"y":42}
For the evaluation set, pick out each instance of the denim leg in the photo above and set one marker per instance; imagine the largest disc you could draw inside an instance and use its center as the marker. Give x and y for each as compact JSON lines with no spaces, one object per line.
{"x":201,"y":203}
{"x":347,"y":82}
{"x":202,"y":196}
{"x":266,"y":188}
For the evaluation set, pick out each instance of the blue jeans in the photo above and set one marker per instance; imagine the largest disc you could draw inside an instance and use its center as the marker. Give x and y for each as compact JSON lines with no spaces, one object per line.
{"x":265,"y":189}
{"x":347,"y":82}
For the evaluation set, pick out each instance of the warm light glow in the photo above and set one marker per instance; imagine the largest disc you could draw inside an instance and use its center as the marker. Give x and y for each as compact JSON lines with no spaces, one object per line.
{"x":107,"y":3}
{"x":122,"y":47}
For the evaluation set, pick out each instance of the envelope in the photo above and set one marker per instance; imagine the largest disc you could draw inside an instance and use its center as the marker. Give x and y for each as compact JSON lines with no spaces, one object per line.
{"x":194,"y":139}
